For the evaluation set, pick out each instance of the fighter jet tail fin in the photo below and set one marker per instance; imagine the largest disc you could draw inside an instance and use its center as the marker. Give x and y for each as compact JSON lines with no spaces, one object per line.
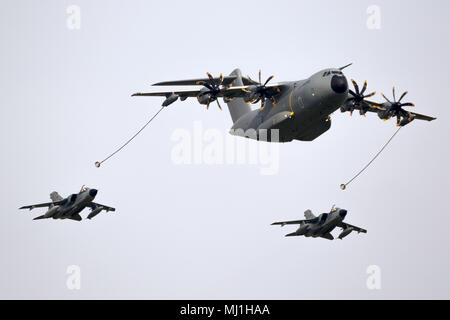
{"x":309,"y":215}
{"x":55,"y":196}
{"x":237,"y":106}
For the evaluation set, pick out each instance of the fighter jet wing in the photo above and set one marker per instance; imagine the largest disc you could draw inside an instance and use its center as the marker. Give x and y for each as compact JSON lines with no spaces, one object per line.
{"x":283,"y":223}
{"x":94,"y":205}
{"x":344,"y":225}
{"x":42,"y":205}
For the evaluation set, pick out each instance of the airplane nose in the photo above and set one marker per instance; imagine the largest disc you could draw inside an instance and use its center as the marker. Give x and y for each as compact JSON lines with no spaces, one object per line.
{"x":93,"y":192}
{"x":339,"y":84}
{"x":343,"y":213}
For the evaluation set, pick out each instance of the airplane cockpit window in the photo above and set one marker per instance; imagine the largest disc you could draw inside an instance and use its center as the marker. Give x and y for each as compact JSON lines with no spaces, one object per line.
{"x":84,"y":189}
{"x":327,"y":73}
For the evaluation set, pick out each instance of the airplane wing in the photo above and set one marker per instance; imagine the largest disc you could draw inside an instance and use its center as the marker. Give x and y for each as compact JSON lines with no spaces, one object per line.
{"x":227,"y":80}
{"x":419,"y":116}
{"x":375,"y":106}
{"x":42,"y":205}
{"x":226,"y":92}
{"x":283,"y":223}
{"x":94,"y":205}
{"x":344,"y":225}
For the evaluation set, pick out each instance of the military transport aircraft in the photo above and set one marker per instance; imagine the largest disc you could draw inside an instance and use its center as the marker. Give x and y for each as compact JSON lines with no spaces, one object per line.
{"x":300,"y":110}
{"x":70,"y":207}
{"x":322,"y":225}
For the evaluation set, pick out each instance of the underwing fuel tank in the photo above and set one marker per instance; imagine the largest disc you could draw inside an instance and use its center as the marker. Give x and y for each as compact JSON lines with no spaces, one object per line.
{"x":94,"y":212}
{"x":170,"y":99}
{"x":345,"y":233}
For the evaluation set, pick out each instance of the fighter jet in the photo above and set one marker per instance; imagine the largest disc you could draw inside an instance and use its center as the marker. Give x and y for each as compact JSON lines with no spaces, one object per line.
{"x":322,"y":225}
{"x":297,"y":110}
{"x":70,"y":207}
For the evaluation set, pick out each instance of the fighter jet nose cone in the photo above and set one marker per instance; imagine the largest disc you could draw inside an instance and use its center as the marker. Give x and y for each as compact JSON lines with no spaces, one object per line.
{"x":93,"y":192}
{"x":343,"y":213}
{"x":339,"y":84}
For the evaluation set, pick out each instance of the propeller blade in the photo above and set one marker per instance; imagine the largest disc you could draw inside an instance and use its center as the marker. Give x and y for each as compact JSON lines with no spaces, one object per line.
{"x":393,"y":93}
{"x":268,"y":79}
{"x":403,"y":95}
{"x":364,"y":88}
{"x":221,"y":79}
{"x":352,"y":93}
{"x":259,"y":76}
{"x":408,"y":104}
{"x":207,"y":85}
{"x":356,"y":86}
{"x":370,"y":94}
{"x":207,"y":106}
{"x":218,"y":104}
{"x":210,"y":76}
{"x":386,"y":98}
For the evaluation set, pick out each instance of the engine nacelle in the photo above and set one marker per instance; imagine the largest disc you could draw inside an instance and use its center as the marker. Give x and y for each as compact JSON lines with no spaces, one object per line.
{"x":51,"y":212}
{"x":204,"y":98}
{"x":345,"y":233}
{"x":94,"y":212}
{"x":405,"y":121}
{"x":251,"y":94}
{"x":170,"y":99}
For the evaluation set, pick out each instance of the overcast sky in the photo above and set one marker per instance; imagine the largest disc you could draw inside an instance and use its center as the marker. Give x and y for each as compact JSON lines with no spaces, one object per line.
{"x":199,"y":231}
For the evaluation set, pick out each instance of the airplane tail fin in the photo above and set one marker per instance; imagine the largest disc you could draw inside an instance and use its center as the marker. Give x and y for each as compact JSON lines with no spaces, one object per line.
{"x":55,"y":196}
{"x":237,"y":106}
{"x":309,"y":214}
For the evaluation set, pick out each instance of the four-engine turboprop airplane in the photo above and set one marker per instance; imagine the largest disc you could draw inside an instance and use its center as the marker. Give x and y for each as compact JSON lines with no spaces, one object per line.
{"x":70,"y":207}
{"x":322,"y":225}
{"x":300,"y":110}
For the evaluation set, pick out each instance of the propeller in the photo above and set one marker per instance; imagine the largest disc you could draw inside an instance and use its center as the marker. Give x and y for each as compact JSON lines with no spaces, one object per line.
{"x":395,"y":109}
{"x":259,"y":92}
{"x":357,"y":99}
{"x":210,"y":91}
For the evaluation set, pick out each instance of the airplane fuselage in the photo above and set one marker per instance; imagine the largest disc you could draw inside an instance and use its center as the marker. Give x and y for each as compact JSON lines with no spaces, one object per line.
{"x":75,"y":204}
{"x":327,"y":223}
{"x":301,"y":111}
